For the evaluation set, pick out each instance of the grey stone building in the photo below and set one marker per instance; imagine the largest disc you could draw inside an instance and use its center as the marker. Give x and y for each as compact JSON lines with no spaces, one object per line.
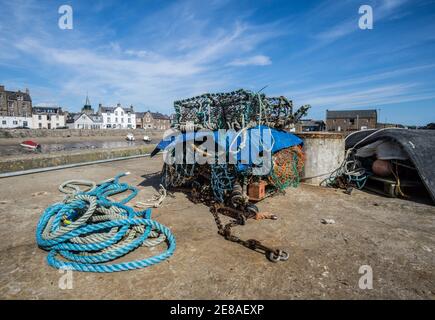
{"x":153,"y":120}
{"x":139,"y":119}
{"x":15,"y":103}
{"x":351,"y":120}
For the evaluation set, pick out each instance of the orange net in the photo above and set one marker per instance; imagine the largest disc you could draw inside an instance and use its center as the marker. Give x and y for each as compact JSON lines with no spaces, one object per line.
{"x":287,"y":167}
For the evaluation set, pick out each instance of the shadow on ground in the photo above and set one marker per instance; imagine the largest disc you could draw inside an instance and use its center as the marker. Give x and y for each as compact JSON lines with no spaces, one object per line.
{"x":151,"y":180}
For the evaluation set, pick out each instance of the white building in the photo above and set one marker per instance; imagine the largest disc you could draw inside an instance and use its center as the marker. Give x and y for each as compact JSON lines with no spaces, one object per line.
{"x":14,"y":122}
{"x":85,"y":121}
{"x":117,"y":117}
{"x":47,"y":117}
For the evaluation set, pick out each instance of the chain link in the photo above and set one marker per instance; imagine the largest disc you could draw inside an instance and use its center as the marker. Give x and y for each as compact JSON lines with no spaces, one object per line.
{"x":272,"y":254}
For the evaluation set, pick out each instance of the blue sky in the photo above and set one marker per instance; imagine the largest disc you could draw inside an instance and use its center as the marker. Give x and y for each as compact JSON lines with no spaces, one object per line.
{"x":150,"y":53}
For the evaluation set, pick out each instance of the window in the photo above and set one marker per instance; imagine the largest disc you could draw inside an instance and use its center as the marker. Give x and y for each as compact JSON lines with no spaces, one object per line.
{"x":25,"y":124}
{"x":39,"y":117}
{"x":352,"y":121}
{"x":15,"y":122}
{"x":40,"y":125}
{"x":4,"y":122}
{"x":116,"y":113}
{"x":129,"y":120}
{"x":122,"y":120}
{"x":116,"y":120}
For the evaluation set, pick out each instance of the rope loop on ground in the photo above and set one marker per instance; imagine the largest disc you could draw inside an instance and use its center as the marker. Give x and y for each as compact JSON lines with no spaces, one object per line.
{"x":88,"y":229}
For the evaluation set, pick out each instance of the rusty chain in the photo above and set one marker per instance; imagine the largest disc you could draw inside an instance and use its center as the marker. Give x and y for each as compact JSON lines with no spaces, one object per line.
{"x":272,"y":254}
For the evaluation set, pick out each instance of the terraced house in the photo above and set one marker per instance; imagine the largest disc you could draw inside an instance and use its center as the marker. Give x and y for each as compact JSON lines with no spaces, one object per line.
{"x":48,"y":117}
{"x":351,"y":120}
{"x":153,"y":120}
{"x":15,"y":103}
{"x":15,"y":108}
{"x":117,"y":117}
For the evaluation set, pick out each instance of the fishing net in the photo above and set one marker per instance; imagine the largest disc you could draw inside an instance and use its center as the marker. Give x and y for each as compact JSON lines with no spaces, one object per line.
{"x":235,"y":110}
{"x":288,"y":165}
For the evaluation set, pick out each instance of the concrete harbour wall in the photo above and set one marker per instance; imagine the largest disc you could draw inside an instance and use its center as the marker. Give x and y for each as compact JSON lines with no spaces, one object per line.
{"x":51,"y":160}
{"x":38,"y":133}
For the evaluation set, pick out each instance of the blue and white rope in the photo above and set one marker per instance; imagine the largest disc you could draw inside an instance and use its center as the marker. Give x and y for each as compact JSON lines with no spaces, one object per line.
{"x":88,"y":229}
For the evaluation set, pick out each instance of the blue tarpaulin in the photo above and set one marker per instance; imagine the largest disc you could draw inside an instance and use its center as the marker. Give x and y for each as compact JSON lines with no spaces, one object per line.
{"x":254,"y":139}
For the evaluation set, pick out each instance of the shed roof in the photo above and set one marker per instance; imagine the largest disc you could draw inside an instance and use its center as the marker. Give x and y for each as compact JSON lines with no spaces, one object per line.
{"x":336,"y":114}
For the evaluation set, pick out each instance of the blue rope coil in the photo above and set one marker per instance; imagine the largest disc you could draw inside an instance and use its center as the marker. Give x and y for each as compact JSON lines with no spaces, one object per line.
{"x":67,"y":229}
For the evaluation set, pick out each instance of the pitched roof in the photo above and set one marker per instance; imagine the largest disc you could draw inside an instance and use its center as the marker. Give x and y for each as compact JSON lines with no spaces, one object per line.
{"x":93,"y":118}
{"x":335,"y":114}
{"x":12,"y":95}
{"x":96,"y":118}
{"x":42,"y":107}
{"x":112,"y":109}
{"x":77,"y":115}
{"x":158,"y":115}
{"x":47,"y":109}
{"x":71,"y":117}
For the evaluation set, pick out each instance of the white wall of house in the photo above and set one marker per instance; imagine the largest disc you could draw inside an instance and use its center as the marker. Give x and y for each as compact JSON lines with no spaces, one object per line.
{"x":119,"y":119}
{"x":13,"y":122}
{"x":45,"y":121}
{"x":85,"y":122}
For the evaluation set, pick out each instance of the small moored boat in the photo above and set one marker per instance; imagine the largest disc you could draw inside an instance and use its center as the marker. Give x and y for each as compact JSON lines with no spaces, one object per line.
{"x":30,"y":145}
{"x":130,"y":137}
{"x":146,"y":139}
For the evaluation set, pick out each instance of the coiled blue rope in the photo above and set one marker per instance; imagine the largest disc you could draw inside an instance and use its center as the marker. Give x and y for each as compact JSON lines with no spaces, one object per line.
{"x":73,"y":230}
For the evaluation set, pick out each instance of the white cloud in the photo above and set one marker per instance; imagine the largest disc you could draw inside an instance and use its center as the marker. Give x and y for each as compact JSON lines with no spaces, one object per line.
{"x":357,"y":82}
{"x":370,"y":96}
{"x":138,"y":53}
{"x":258,"y":60}
{"x":140,"y":76}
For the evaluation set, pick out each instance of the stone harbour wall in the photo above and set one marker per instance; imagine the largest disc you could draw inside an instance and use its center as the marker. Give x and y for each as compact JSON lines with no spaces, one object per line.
{"x":51,"y":160}
{"x":38,"y":133}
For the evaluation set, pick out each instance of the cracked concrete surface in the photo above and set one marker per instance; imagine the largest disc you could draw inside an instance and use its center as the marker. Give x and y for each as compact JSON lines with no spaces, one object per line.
{"x":395,"y":237}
